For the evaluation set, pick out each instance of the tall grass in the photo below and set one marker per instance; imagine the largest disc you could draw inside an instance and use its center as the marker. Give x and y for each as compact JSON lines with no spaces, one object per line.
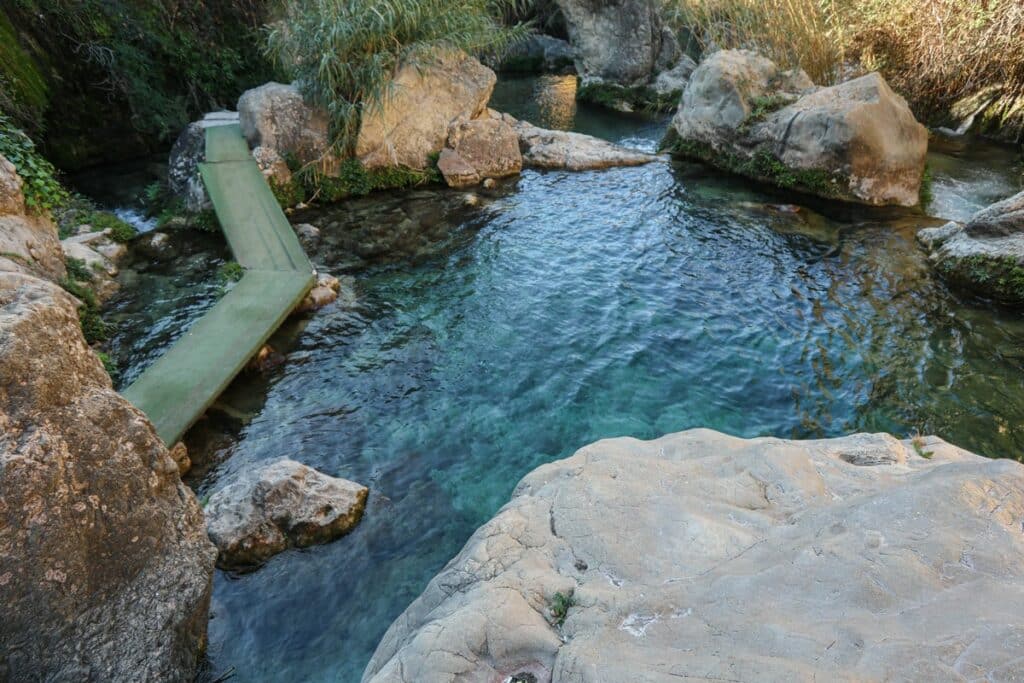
{"x":345,"y":52}
{"x":934,"y":52}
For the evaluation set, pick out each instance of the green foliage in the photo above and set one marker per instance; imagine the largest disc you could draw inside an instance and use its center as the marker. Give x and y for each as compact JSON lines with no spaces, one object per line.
{"x":205,"y":221}
{"x":145,"y":66}
{"x":77,"y":270}
{"x":108,"y":364}
{"x":231,"y":271}
{"x":762,"y":107}
{"x":918,"y":443}
{"x":345,"y":52}
{"x":560,"y":606}
{"x":94,"y":328}
{"x":104,"y":220}
{"x":354,"y":180}
{"x":41,"y":188}
{"x":288,"y":194}
{"x":24,"y":92}
{"x":926,"y":194}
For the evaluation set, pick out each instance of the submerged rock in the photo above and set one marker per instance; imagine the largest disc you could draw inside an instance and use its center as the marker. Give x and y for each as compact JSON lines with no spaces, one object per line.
{"x":707,"y":557}
{"x":425,"y":98}
{"x":985,"y":256}
{"x":857,"y":141}
{"x":559,"y":149}
{"x":277,"y":506}
{"x":105,"y":568}
{"x":324,"y":292}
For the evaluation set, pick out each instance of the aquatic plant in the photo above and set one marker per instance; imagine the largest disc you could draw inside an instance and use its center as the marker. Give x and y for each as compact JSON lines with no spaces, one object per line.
{"x":231,"y":271}
{"x":345,"y":52}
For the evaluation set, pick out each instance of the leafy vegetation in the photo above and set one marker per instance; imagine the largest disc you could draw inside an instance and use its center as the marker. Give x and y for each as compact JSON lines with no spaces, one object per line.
{"x":989,"y":275}
{"x":141,"y":70}
{"x":345,"y":52}
{"x":231,"y":271}
{"x":935,"y":52}
{"x":560,"y":606}
{"x":41,"y":187}
{"x":635,"y":98}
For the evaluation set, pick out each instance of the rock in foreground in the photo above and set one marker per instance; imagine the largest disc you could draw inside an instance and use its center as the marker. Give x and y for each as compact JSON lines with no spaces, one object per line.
{"x":985,"y":256}
{"x":701,"y":556}
{"x":560,"y":149}
{"x":857,"y":141}
{"x":280,"y":505}
{"x":105,"y":569}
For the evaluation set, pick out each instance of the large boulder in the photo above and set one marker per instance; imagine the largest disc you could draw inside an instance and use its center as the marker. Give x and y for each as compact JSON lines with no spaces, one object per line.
{"x":425,"y":97}
{"x":857,"y":141}
{"x":276,"y":117}
{"x":701,"y":556}
{"x":105,"y":567}
{"x":28,"y":240}
{"x":280,"y":505}
{"x":623,"y":42}
{"x":985,"y":256}
{"x":480,"y":149}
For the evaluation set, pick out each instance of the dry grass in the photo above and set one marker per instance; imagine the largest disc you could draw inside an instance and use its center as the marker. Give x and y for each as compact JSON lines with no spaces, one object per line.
{"x":935,"y":52}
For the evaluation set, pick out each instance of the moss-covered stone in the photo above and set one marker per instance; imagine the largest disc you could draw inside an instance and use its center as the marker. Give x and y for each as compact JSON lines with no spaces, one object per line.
{"x":623,"y":98}
{"x":992,"y":276}
{"x":763,"y":166}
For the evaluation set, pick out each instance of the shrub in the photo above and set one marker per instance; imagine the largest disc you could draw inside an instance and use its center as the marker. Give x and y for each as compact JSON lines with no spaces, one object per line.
{"x":41,"y":188}
{"x":345,"y":52}
{"x":934,"y":52}
{"x":119,"y":230}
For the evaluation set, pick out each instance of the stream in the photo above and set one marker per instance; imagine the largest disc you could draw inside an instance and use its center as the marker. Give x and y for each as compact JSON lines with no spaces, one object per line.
{"x":493,"y":331}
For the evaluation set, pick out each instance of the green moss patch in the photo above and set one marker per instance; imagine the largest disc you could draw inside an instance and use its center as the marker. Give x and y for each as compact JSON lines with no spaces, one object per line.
{"x":764,"y":167}
{"x":995,"y":277}
{"x":355,"y":180}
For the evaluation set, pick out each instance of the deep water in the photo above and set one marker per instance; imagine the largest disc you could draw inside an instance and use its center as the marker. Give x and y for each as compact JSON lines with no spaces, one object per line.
{"x":493,"y":332}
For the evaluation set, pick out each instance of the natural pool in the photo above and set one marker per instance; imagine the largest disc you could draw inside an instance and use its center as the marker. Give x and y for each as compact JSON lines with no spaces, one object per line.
{"x":559,"y":309}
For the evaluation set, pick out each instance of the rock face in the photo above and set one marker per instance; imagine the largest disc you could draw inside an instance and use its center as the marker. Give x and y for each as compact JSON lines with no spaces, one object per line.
{"x":857,"y":141}
{"x":105,"y":568}
{"x":275,"y":117}
{"x":277,"y":506}
{"x":188,"y":152}
{"x":558,"y":149}
{"x":619,"y":41}
{"x":426,"y":98}
{"x":985,"y":256}
{"x":479,"y":149}
{"x":28,"y":242}
{"x":706,"y":557}
{"x":539,"y":53}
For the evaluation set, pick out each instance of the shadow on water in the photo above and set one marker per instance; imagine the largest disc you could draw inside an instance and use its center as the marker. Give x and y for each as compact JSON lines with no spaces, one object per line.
{"x":493,"y":332}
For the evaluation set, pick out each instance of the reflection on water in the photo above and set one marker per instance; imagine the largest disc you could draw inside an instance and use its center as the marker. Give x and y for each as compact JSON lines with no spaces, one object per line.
{"x":496,"y":331}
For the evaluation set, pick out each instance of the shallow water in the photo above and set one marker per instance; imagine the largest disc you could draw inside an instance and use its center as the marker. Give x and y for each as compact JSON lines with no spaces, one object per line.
{"x":559,"y":309}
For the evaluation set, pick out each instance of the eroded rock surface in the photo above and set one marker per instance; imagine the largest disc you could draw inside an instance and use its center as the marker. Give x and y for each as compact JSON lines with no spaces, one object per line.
{"x":619,"y":41}
{"x":425,"y":98}
{"x":28,"y":241}
{"x":480,"y":149}
{"x":857,"y":141}
{"x":105,"y":568}
{"x":188,"y":152}
{"x":985,"y":256}
{"x":559,"y":149}
{"x":701,"y":556}
{"x":276,"y":118}
{"x":277,"y":506}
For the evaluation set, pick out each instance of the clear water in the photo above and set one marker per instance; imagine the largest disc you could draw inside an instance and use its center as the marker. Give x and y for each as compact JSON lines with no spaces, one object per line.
{"x":493,"y":334}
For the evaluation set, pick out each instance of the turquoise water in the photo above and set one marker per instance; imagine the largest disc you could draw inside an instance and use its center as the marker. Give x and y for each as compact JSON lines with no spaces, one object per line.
{"x":493,"y":332}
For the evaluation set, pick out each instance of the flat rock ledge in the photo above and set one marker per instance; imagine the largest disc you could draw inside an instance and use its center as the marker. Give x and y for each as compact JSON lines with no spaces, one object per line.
{"x":985,"y":256}
{"x":700,"y":556}
{"x":277,"y":506}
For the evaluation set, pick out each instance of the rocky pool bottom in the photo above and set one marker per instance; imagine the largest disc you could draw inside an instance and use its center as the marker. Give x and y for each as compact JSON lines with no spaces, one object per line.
{"x":492,"y":332}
